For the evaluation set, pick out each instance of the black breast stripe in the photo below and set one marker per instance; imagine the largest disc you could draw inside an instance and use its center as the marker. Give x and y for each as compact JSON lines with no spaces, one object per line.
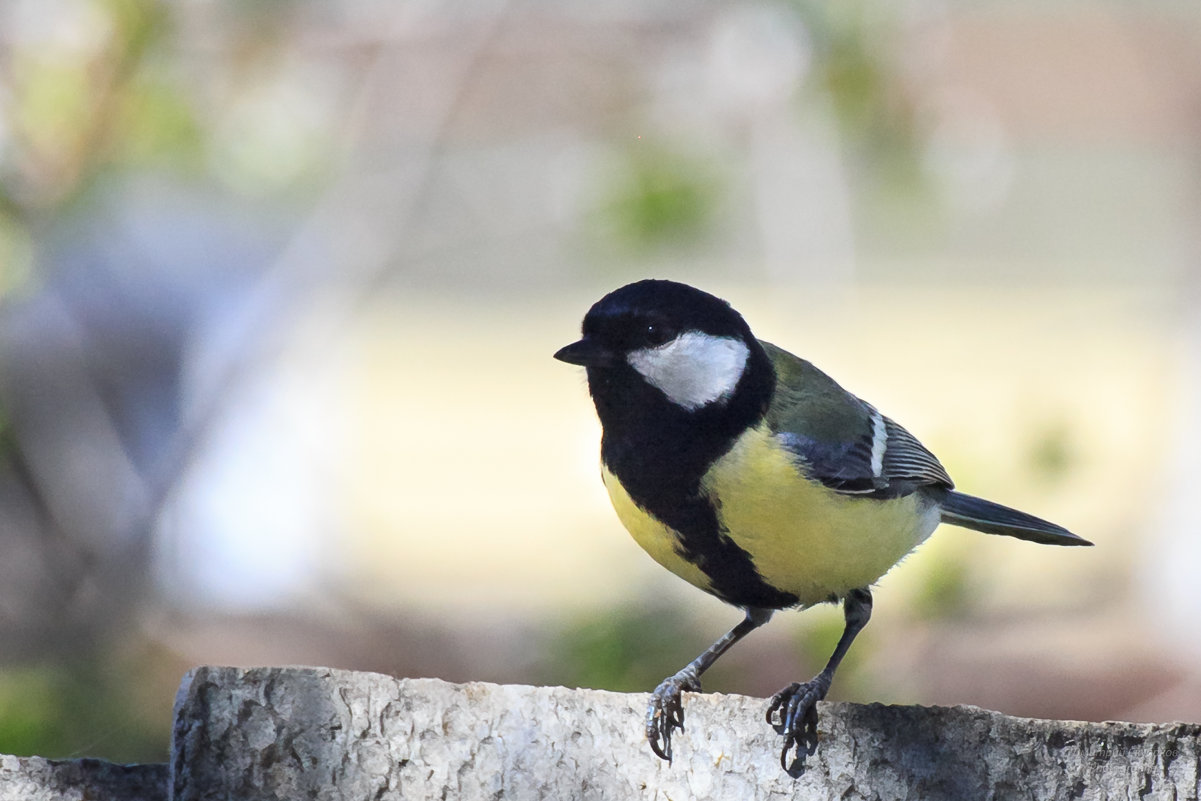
{"x":667,"y":486}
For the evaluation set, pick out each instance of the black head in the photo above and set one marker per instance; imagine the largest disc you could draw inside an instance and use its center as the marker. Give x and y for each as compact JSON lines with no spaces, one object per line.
{"x":661,"y":343}
{"x":677,"y":378}
{"x":648,"y":314}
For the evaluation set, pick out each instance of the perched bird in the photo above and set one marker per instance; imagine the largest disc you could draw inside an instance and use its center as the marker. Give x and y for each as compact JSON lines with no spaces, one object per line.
{"x":752,"y":475}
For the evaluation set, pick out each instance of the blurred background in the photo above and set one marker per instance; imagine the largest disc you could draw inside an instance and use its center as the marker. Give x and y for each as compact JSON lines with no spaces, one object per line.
{"x":281,"y":281}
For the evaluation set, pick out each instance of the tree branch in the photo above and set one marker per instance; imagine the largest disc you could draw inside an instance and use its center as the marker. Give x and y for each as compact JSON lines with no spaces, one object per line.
{"x":316,"y":733}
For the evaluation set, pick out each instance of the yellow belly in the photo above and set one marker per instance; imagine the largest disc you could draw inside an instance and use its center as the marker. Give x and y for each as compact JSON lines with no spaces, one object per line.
{"x":804,"y":539}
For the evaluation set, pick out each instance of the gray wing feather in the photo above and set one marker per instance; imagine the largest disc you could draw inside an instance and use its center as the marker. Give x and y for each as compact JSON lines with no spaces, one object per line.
{"x":906,"y":458}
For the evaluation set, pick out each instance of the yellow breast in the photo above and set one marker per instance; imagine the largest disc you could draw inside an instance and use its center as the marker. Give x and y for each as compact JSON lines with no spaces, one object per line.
{"x":804,"y":538}
{"x":655,"y":538}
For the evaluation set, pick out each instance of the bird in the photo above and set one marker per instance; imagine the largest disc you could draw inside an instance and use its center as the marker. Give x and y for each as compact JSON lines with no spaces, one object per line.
{"x":753,"y":475}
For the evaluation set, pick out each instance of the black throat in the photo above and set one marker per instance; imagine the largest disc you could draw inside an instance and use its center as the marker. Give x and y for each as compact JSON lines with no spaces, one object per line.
{"x":660,"y":452}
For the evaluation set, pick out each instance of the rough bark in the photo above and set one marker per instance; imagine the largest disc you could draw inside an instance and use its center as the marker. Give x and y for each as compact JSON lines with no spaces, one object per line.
{"x":37,"y":779}
{"x":300,"y":733}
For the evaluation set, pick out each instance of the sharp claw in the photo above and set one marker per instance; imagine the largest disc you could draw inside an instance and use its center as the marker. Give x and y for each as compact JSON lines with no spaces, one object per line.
{"x":811,"y":728}
{"x":665,"y":713}
{"x":797,"y":705}
{"x":652,"y":732}
{"x":664,"y":754}
{"x":777,"y":701}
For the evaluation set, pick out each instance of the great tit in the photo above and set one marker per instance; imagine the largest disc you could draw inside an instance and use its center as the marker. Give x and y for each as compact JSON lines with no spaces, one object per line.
{"x":752,"y":475}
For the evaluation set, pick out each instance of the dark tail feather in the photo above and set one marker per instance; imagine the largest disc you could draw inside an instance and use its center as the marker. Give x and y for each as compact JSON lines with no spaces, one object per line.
{"x":993,"y":518}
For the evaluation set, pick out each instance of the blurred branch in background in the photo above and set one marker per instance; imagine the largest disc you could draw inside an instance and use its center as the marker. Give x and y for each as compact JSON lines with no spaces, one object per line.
{"x":119,"y":255}
{"x":91,"y":353}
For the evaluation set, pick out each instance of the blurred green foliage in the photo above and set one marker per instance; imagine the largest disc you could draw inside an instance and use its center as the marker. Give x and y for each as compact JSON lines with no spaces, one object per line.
{"x":66,"y":710}
{"x":30,"y":706}
{"x":661,"y":196}
{"x":630,"y":648}
{"x":855,"y":66}
{"x":944,"y":587}
{"x":1052,"y":452}
{"x":87,"y":103}
{"x":108,"y":88}
{"x":634,"y":646}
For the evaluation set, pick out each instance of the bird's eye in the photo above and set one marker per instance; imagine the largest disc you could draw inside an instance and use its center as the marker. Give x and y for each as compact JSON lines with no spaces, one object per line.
{"x":656,"y":334}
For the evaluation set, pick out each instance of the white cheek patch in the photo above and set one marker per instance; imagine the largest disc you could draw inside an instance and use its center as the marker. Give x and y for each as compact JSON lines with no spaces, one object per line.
{"x":694,"y":369}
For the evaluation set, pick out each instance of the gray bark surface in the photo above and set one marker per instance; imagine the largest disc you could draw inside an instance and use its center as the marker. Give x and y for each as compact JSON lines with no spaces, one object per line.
{"x":37,"y":779}
{"x":311,"y":733}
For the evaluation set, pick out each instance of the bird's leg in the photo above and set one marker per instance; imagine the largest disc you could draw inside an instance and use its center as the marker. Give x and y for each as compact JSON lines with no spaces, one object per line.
{"x":797,"y":703}
{"x":665,"y":711}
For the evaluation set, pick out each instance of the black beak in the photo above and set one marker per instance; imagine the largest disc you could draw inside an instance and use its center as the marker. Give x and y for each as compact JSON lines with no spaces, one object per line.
{"x":586,"y":353}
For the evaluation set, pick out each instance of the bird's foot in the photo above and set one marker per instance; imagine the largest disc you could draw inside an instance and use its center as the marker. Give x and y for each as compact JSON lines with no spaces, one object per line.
{"x":665,"y":712}
{"x":797,"y":719}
